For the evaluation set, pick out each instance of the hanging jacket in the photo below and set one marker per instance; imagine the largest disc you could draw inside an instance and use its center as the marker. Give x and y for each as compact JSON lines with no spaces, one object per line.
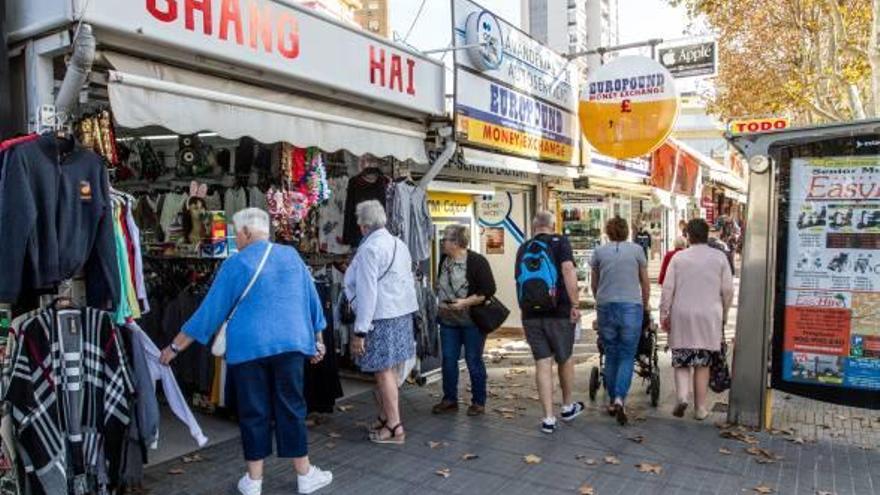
{"x":37,"y":396}
{"x":55,"y":220}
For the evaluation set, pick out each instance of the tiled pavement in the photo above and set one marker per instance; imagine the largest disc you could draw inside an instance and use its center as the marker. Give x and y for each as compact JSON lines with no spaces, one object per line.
{"x":829,"y":449}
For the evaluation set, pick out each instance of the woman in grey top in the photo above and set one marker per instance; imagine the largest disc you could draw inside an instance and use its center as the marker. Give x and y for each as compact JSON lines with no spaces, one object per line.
{"x":620,"y":284}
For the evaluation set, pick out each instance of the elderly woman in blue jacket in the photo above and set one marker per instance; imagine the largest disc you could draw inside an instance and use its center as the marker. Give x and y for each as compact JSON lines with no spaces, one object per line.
{"x":275,"y":327}
{"x":380,"y":285}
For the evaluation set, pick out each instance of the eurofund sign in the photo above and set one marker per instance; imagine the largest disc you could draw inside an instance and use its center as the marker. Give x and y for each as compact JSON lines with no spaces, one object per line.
{"x":512,"y":94}
{"x":628,"y":107}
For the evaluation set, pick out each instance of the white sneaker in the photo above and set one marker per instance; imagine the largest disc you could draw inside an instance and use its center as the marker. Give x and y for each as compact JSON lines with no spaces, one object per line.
{"x":314,"y":480}
{"x":247,"y":486}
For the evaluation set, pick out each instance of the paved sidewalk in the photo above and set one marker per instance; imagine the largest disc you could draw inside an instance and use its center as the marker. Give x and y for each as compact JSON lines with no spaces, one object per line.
{"x":815,"y":448}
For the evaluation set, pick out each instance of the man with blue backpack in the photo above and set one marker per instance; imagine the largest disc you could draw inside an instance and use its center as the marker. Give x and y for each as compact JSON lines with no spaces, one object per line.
{"x":546,"y":285}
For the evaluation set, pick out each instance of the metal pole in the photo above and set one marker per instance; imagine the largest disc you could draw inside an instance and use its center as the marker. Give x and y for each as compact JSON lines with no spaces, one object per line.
{"x":6,"y":124}
{"x":652,"y":42}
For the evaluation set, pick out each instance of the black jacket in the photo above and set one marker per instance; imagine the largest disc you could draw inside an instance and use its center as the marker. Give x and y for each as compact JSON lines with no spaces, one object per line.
{"x":478,"y":273}
{"x":56,"y":220}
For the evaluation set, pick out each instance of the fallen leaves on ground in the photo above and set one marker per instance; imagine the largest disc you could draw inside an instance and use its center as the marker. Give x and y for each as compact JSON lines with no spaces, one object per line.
{"x":823,"y":492}
{"x":586,"y":489}
{"x":187,"y":459}
{"x":534,"y":398}
{"x":504,"y":410}
{"x":517,"y":371}
{"x":610,"y":459}
{"x":638,"y":439}
{"x":763,"y":456}
{"x":445,"y":472}
{"x":176,"y":471}
{"x":331,"y":445}
{"x":797,"y":440}
{"x":647,"y":467}
{"x":532,"y":459}
{"x":436,"y":445}
{"x":334,"y":434}
{"x":764,"y":489}
{"x":508,"y":416}
{"x":738,"y":435}
{"x":469,"y":457}
{"x":724,"y":451}
{"x":345,"y":408}
{"x":589,"y":461}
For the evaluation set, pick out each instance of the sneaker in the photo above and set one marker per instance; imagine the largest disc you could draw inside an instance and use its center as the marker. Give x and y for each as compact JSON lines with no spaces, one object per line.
{"x":700,"y":414}
{"x":314,"y":480}
{"x":679,"y":410}
{"x":548,"y":425}
{"x":572,"y":411}
{"x":247,"y":486}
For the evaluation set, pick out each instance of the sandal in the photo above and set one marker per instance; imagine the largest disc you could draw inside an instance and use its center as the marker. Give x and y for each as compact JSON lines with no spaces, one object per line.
{"x":395,"y":438}
{"x":379,"y":424}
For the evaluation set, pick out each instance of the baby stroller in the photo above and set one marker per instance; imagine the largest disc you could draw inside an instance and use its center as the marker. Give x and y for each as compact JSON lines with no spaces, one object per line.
{"x":647,"y":365}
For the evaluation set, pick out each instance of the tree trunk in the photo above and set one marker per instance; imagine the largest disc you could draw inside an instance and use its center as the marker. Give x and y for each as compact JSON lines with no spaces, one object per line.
{"x":874,"y":58}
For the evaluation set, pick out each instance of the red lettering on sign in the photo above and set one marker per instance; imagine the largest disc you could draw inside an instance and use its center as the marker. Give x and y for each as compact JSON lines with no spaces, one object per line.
{"x":740,"y":127}
{"x":410,"y":71}
{"x":167,"y":15}
{"x":230,"y":12}
{"x":261,"y":26}
{"x":625,"y":106}
{"x":204,"y":6}
{"x":377,"y":66}
{"x":780,"y":124}
{"x":396,"y":73}
{"x":288,"y":22}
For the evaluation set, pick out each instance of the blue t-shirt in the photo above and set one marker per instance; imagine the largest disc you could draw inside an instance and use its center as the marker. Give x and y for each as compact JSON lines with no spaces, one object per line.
{"x":281,"y":313}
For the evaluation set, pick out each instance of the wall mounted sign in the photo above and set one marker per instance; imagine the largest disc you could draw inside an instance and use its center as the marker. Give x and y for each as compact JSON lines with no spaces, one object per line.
{"x":513,"y":95}
{"x":696,"y":59}
{"x":628,"y":107}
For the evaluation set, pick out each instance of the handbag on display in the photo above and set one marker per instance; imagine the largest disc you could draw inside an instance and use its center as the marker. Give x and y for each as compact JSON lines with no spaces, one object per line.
{"x":218,"y":348}
{"x":719,"y":371}
{"x":490,"y":315}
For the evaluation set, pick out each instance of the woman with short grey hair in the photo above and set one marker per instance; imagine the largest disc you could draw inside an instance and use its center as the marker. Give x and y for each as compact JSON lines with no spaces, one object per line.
{"x":381,"y":290}
{"x":464,"y":280}
{"x":266,"y":298}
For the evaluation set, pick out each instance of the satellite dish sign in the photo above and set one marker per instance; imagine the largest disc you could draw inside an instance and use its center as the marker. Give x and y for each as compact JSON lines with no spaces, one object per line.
{"x":628,"y":107}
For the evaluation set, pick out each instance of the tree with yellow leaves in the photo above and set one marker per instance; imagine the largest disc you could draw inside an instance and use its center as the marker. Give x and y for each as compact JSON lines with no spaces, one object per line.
{"x":813,"y":60}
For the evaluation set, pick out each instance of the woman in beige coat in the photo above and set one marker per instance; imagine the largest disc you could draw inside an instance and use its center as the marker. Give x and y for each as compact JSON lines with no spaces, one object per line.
{"x":697,"y":294}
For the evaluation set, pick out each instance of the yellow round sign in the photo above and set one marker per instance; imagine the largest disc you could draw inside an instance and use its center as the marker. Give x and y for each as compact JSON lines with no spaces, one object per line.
{"x":628,"y":107}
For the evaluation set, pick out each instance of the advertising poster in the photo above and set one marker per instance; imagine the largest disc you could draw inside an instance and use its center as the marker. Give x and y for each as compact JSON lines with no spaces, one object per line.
{"x":832,"y":297}
{"x":494,"y":240}
{"x":513,"y":94}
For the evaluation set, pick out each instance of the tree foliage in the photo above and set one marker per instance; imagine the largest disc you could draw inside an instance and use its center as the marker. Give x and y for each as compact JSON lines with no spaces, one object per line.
{"x":813,"y":60}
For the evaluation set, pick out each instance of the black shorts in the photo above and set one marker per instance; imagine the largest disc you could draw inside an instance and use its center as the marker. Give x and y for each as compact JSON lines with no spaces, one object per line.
{"x":550,"y":337}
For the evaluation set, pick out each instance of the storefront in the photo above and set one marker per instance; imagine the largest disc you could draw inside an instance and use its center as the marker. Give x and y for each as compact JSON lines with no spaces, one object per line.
{"x":197,"y":113}
{"x":514,"y":112}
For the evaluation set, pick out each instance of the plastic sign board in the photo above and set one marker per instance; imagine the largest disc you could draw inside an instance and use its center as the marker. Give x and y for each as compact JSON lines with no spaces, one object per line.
{"x":513,"y":95}
{"x":746,"y":126}
{"x":698,"y":59}
{"x":628,"y":107}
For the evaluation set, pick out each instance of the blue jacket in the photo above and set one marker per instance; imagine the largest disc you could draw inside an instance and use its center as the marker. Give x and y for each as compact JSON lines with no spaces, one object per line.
{"x":281,"y":313}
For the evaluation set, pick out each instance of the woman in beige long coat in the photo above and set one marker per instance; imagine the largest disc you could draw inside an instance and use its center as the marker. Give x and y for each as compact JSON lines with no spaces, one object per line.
{"x":697,"y":294}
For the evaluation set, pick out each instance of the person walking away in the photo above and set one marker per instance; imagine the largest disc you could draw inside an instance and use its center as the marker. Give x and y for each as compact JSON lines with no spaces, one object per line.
{"x":464,"y":280}
{"x":716,"y":243}
{"x":547,"y":292}
{"x":680,"y":244}
{"x":643,"y":238}
{"x":380,"y":287}
{"x":274,"y":319}
{"x":696,"y":298}
{"x":621,"y":287}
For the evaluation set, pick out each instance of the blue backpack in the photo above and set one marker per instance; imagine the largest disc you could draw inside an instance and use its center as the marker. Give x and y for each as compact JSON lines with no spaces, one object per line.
{"x":537,"y":277}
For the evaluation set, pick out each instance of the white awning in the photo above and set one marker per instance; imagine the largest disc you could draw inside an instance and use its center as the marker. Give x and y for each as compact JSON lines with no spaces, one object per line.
{"x":144,"y":93}
{"x":506,"y":162}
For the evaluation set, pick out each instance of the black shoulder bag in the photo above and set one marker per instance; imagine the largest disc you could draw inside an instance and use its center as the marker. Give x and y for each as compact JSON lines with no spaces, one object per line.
{"x":719,"y":372}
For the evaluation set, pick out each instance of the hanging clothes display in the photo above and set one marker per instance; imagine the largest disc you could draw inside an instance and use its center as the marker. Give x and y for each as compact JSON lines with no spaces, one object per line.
{"x":56,"y":220}
{"x":409,"y":218}
{"x":303,"y":186}
{"x":367,"y":185}
{"x":331,"y":218}
{"x":71,"y":397}
{"x":321,"y":385}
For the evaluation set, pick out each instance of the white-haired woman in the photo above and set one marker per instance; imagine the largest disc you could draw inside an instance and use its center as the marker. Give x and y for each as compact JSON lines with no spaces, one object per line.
{"x":274,"y":328}
{"x":380,"y":286}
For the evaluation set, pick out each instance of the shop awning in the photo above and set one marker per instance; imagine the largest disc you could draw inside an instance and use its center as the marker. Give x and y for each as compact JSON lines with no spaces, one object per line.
{"x":144,"y":93}
{"x":505,"y":162}
{"x":718,"y":173}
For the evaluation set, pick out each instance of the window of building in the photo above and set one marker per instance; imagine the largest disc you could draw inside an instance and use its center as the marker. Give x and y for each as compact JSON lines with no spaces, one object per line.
{"x":373,"y":25}
{"x":373,"y":6}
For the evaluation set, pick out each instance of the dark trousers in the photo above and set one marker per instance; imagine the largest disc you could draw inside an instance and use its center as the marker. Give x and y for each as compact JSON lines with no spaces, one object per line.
{"x":452,"y":339}
{"x":270,"y":395}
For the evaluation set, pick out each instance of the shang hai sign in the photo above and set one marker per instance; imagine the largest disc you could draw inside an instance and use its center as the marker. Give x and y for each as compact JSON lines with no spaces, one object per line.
{"x":513,"y":95}
{"x":278,"y":37}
